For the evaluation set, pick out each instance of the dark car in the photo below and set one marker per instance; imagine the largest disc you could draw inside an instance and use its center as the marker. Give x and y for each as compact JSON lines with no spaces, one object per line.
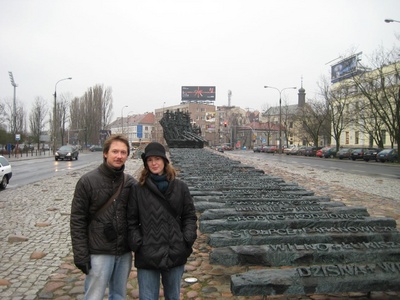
{"x":370,"y":154}
{"x":344,"y":153}
{"x":67,"y":153}
{"x":311,"y":151}
{"x":329,"y":152}
{"x":388,"y":155}
{"x":5,"y":172}
{"x":94,"y":148}
{"x":219,"y":149}
{"x":358,"y":153}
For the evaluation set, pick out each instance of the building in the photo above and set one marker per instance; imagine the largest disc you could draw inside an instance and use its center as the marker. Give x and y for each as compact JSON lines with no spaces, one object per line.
{"x":291,"y":128}
{"x":366,"y":108}
{"x":138,"y":128}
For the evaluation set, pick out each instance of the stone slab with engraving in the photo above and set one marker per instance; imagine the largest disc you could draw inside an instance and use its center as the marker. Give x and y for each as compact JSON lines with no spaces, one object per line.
{"x":318,"y":279}
{"x":294,"y":254}
{"x":267,"y":236}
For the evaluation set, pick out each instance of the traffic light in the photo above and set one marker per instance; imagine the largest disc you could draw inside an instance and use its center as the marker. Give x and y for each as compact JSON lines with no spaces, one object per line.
{"x":225,"y":124}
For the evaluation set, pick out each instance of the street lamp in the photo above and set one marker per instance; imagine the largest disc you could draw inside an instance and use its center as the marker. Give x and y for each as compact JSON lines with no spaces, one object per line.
{"x":122,"y":119}
{"x":391,"y":21}
{"x":14,"y":120}
{"x":54,"y":114}
{"x":280,"y":112}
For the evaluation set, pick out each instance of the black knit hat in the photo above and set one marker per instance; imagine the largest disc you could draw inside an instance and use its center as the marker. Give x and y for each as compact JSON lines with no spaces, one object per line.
{"x":154,"y":149}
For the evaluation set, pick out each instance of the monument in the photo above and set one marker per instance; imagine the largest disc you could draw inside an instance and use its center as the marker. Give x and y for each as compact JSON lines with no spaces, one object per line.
{"x":179,"y":132}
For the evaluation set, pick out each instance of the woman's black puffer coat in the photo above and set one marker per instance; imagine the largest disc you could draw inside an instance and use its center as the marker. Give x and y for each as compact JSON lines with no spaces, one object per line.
{"x":92,"y":191}
{"x":158,"y":240}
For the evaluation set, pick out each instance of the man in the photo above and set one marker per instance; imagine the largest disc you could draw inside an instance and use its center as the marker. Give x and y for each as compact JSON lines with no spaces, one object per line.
{"x":99,"y":223}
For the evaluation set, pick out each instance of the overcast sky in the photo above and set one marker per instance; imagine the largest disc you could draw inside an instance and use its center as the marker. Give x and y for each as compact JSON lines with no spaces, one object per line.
{"x":147,"y":50}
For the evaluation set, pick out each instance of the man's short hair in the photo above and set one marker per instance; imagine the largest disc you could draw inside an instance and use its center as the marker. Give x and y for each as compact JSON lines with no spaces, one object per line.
{"x":115,"y":137}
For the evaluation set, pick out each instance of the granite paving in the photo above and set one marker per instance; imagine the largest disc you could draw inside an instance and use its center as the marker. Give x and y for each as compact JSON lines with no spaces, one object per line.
{"x":35,"y":246}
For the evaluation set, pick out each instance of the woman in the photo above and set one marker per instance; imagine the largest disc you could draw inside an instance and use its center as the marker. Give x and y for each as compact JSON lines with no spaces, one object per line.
{"x":161,"y":226}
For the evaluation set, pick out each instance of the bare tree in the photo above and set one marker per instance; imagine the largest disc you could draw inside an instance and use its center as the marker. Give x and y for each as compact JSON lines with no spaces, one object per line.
{"x":19,"y":116}
{"x":380,"y":87}
{"x":314,"y":120}
{"x":2,"y":114}
{"x":92,"y":112}
{"x":337,"y":101}
{"x":63,"y":115}
{"x":37,"y":121}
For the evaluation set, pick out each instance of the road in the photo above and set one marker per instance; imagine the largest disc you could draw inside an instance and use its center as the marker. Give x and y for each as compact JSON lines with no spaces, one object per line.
{"x":31,"y":170}
{"x":373,"y":169}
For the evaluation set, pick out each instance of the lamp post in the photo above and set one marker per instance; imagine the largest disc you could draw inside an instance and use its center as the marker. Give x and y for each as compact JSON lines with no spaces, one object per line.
{"x":122,"y":119}
{"x":14,"y":119}
{"x":54,"y":114}
{"x":280,"y":112}
{"x":391,"y":21}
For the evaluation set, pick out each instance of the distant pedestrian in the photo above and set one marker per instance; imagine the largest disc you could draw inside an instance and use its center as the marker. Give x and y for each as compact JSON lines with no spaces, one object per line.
{"x":99,"y":224}
{"x":162,"y":226}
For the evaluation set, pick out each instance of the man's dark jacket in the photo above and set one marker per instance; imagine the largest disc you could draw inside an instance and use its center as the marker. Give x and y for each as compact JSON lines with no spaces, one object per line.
{"x":159,"y":240}
{"x":92,"y":191}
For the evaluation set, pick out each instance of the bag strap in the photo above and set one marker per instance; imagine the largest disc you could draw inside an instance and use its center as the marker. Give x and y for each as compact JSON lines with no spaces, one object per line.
{"x":113,"y":197}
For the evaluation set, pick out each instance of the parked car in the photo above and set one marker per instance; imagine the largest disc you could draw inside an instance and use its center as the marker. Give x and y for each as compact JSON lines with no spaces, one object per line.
{"x":288,"y":149}
{"x":67,"y":153}
{"x":370,"y":154}
{"x":272,"y":149}
{"x":344,"y":153}
{"x":311,"y":151}
{"x":388,"y":155}
{"x":94,"y":148}
{"x":358,"y":153}
{"x":301,"y":150}
{"x":257,"y":149}
{"x":220,"y":149}
{"x":5,"y":172}
{"x":227,"y":147}
{"x":329,"y":152}
{"x":319,"y":153}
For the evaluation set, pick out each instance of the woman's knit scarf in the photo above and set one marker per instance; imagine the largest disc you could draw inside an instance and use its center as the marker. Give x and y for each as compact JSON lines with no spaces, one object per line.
{"x":160,"y":181}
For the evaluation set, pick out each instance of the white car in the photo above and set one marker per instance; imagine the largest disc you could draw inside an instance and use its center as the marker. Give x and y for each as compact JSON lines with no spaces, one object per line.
{"x":5,"y":172}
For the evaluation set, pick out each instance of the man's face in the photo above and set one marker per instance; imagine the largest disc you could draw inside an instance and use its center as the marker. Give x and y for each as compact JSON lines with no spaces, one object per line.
{"x":117,"y":154}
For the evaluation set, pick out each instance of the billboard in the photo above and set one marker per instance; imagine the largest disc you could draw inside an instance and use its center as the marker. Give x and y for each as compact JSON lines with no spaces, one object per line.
{"x":344,"y":69}
{"x":201,"y":93}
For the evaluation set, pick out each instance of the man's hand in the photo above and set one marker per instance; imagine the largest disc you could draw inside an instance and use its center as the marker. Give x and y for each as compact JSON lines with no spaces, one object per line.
{"x":85,"y":268}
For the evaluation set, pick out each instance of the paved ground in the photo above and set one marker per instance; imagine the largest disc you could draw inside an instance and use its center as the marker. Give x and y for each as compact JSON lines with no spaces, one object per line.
{"x":36,"y":259}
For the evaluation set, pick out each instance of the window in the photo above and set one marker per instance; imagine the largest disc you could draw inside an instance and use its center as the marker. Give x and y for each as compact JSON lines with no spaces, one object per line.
{"x":347,"y":142}
{"x":357,"y":137}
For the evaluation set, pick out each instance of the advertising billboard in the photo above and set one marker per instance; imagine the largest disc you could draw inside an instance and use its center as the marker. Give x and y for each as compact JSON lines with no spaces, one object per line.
{"x":195,"y":93}
{"x":344,"y":69}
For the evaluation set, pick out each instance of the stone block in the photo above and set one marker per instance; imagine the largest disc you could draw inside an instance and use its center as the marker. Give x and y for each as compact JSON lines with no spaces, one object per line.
{"x":318,"y":279}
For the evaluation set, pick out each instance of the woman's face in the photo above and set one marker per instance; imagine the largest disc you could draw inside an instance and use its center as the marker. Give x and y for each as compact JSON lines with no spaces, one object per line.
{"x":155,"y":164}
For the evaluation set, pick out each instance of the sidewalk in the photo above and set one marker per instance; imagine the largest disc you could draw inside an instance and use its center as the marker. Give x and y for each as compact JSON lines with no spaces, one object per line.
{"x":36,"y":259}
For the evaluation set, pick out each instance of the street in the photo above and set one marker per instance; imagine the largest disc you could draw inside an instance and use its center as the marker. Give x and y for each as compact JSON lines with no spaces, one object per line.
{"x":358,"y":167}
{"x":29,"y":170}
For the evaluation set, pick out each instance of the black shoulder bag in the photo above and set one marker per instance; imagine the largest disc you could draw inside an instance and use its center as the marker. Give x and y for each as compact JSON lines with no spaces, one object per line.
{"x":113,"y":197}
{"x":109,"y":230}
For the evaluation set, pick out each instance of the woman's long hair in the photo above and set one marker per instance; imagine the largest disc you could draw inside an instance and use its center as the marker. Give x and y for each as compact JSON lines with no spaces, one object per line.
{"x":168,"y":169}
